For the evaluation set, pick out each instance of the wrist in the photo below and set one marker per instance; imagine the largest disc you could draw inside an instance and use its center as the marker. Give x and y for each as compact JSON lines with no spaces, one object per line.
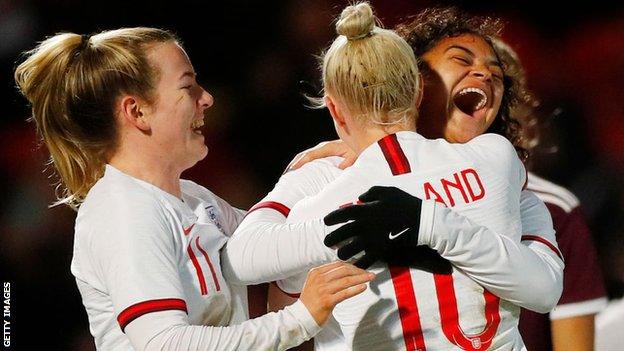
{"x":305,"y":317}
{"x":427,"y":217}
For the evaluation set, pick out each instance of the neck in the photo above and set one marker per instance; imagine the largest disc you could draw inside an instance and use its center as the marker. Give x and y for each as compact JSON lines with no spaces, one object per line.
{"x":150,"y":168}
{"x":374,"y":132}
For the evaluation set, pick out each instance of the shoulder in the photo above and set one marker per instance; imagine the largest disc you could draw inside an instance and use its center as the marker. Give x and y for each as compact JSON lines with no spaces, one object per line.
{"x":491,"y":138}
{"x":310,"y":178}
{"x":203,"y":195}
{"x":326,"y":165}
{"x":326,"y":162}
{"x":493,"y":144}
{"x":552,"y":194}
{"x":117,"y":206}
{"x":119,"y":194}
{"x":189,"y":187}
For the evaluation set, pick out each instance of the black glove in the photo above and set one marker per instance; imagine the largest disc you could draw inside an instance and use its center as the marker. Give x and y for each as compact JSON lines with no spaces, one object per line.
{"x":385,"y":224}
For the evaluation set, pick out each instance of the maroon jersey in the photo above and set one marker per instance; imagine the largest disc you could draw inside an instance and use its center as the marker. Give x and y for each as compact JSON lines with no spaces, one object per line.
{"x":583,"y":287}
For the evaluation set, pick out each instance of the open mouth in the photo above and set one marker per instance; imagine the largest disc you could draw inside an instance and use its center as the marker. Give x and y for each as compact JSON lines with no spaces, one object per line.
{"x":469,"y":100}
{"x":197,"y":125}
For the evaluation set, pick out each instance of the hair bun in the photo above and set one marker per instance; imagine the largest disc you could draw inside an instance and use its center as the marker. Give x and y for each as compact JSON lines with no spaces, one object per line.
{"x":356,"y":21}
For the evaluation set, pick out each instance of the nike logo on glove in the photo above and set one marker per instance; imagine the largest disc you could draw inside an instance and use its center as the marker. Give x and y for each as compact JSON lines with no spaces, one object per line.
{"x":392,"y":237}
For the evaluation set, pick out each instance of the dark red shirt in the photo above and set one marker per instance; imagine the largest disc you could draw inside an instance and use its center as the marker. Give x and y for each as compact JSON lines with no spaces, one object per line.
{"x":583,"y":287}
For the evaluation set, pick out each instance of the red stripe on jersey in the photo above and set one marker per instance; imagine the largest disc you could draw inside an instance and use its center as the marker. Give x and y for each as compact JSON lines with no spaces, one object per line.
{"x":401,"y":277}
{"x":449,"y":315}
{"x":281,"y":208}
{"x":394,"y":155}
{"x":408,"y":310}
{"x":137,"y":310}
{"x":543,"y":241}
{"x":212,"y":270}
{"x":295,"y":296}
{"x":200,"y":273}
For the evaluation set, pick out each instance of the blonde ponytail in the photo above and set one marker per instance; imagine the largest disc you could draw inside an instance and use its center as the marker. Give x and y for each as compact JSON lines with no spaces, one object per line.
{"x":72,"y":82}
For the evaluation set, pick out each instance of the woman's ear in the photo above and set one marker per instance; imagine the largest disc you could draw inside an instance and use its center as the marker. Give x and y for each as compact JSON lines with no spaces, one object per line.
{"x":133,"y":112}
{"x":335,"y":110}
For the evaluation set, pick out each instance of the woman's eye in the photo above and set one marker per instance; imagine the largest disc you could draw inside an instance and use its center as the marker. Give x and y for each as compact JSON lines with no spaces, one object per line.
{"x":461,"y":60}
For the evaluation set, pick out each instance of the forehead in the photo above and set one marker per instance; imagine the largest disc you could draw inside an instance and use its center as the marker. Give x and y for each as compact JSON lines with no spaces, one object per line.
{"x":475,"y":43}
{"x":170,"y":60}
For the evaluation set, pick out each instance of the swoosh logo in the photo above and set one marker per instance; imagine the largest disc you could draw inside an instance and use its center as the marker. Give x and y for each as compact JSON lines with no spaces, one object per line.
{"x":188,"y":230}
{"x":394,"y":236}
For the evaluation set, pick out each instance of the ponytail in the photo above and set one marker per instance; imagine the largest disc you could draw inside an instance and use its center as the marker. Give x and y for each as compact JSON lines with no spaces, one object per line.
{"x":72,"y":83}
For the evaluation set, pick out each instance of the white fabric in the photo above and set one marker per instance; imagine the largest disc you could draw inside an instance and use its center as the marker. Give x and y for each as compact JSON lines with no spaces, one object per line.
{"x":262,"y":234}
{"x":134,"y":243}
{"x":609,"y":325}
{"x":527,"y":274}
{"x":371,"y":320}
{"x":498,"y":270}
{"x":540,"y":260}
{"x":576,"y":309}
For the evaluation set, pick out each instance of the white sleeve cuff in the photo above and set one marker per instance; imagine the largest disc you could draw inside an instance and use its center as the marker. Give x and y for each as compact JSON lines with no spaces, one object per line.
{"x":576,"y":309}
{"x":427,"y":215}
{"x":304,"y":317}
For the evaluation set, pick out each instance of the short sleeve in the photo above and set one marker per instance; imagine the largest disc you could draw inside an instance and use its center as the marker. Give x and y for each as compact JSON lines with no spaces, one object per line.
{"x":135,"y":253}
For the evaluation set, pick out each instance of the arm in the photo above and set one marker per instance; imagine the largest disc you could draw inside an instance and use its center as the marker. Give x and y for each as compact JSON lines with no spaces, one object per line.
{"x":285,"y":329}
{"x":574,"y":333}
{"x":495,"y":261}
{"x":264,"y":232}
{"x":168,"y":330}
{"x":572,"y":321}
{"x":499,"y":263}
{"x":292,"y":247}
{"x":137,"y":259}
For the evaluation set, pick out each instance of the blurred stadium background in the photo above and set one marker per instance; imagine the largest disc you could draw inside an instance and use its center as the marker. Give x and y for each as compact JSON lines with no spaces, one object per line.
{"x":251,"y":56}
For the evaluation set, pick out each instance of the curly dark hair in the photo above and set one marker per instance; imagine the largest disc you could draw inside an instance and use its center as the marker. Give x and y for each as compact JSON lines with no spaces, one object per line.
{"x":427,"y":28}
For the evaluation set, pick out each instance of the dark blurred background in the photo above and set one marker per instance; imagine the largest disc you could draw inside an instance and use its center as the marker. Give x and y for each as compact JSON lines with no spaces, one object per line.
{"x":251,"y":56}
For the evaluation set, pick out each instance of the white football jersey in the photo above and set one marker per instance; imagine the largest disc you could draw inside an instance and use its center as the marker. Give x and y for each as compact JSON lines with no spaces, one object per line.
{"x":148,"y":267}
{"x":410,"y":308}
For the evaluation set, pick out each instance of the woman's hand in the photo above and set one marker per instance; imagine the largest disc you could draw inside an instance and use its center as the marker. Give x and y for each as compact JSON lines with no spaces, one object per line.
{"x":330,"y":284}
{"x":324,"y":149}
{"x":384,"y":226}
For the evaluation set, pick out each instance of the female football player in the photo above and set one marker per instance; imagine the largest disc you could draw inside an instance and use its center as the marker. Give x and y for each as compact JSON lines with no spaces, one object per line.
{"x":121,"y":114}
{"x":365,"y":117}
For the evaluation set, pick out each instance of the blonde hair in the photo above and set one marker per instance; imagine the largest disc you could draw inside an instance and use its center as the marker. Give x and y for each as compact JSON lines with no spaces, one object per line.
{"x":72,"y":83}
{"x":371,"y":70}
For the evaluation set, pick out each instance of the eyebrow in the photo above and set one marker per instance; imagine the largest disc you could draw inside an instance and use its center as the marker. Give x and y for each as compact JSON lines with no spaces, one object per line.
{"x":188,"y":74}
{"x":494,"y":61}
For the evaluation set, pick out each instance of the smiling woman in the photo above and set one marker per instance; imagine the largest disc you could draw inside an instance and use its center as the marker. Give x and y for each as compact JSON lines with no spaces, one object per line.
{"x":121,"y":113}
{"x":456,"y":53}
{"x":470,"y":72}
{"x":170,"y":128}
